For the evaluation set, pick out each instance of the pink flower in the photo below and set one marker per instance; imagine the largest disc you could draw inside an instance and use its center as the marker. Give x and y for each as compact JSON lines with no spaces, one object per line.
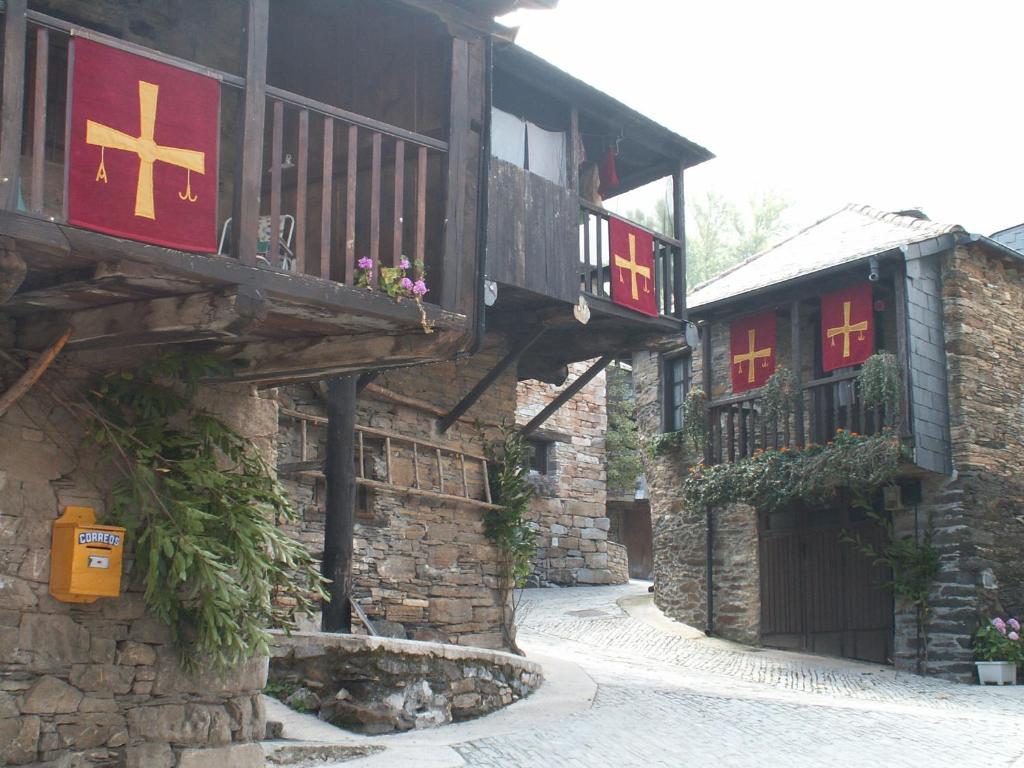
{"x":403,"y":263}
{"x":1013,"y":636}
{"x":419,"y":288}
{"x":1014,"y":625}
{"x":999,"y":624}
{"x":406,"y":283}
{"x":365,"y":263}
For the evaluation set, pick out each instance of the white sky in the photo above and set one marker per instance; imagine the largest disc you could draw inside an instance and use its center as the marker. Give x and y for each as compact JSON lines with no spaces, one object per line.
{"x":896,"y":104}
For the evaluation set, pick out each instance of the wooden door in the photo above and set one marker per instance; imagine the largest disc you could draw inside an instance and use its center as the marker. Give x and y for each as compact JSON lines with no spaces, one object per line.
{"x":820,"y":593}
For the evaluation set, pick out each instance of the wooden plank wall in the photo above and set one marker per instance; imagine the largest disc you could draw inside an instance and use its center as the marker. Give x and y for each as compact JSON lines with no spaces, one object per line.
{"x":532,"y":233}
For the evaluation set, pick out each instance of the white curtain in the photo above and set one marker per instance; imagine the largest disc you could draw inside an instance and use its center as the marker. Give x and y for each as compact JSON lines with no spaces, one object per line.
{"x":508,"y":137}
{"x":547,"y":153}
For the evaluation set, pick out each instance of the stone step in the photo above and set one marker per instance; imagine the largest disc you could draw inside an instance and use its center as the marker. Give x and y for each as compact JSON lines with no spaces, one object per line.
{"x":292,"y":754}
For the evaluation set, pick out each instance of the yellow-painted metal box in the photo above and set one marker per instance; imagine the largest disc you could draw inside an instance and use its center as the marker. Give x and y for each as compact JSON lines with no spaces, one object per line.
{"x":85,"y":558}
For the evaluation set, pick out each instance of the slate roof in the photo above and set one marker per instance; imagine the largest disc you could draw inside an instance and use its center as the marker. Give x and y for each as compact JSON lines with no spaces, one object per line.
{"x":1011,"y":238}
{"x":850,"y":234}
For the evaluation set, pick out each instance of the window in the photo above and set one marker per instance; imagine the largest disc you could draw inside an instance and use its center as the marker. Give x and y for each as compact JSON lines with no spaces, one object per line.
{"x":675,"y":371}
{"x":537,"y":456}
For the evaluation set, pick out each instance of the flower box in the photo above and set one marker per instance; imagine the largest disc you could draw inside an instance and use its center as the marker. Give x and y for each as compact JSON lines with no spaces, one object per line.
{"x":997,"y":672}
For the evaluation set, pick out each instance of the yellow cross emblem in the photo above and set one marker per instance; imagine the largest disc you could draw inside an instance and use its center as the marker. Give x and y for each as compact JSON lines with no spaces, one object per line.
{"x":751,"y":355}
{"x":846,"y":329}
{"x":635,"y":269}
{"x":147,"y":149}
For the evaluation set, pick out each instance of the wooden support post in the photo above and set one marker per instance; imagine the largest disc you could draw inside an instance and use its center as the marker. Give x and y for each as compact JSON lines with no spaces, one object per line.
{"x":32,"y":373}
{"x":341,"y":502}
{"x":248,"y":180}
{"x":503,"y":365}
{"x":565,"y":395}
{"x":679,"y":260}
{"x":572,"y":161}
{"x":13,"y":102}
{"x":706,"y":369}
{"x":458,"y":272}
{"x":796,"y":367}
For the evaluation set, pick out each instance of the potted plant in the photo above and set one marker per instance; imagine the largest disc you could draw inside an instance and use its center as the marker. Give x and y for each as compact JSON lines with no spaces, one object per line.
{"x":998,"y":649}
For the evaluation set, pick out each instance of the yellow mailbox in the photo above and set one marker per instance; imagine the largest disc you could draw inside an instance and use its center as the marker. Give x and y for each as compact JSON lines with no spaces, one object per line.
{"x":85,"y":558}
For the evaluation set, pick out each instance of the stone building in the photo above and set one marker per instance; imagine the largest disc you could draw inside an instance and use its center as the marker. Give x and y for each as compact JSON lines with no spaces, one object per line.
{"x":555,"y":319}
{"x":569,"y":478}
{"x":947,"y":304}
{"x":202,"y":188}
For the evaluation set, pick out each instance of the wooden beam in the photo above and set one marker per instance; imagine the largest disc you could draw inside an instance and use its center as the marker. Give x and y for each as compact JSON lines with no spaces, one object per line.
{"x":313,"y":358}
{"x":899,"y":299}
{"x":15,"y":28}
{"x":679,"y":232}
{"x":249,"y":177}
{"x":33,"y":372}
{"x":566,"y":394}
{"x":339,"y":525}
{"x":510,"y":359}
{"x":366,"y":378}
{"x":458,"y":267}
{"x":196,"y":317}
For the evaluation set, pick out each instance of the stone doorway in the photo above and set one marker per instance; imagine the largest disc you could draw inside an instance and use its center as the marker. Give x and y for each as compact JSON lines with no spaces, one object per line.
{"x":820,"y":593}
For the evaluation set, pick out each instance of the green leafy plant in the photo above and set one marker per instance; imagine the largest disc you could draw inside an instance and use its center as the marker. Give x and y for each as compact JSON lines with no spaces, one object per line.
{"x":665,"y":444}
{"x":622,"y":441}
{"x":999,"y":640}
{"x":200,"y":505}
{"x":913,"y":566}
{"x":695,"y":423}
{"x":507,"y":526}
{"x":772,"y":479}
{"x":879,"y":382}
{"x":780,"y":395}
{"x":394,"y":281}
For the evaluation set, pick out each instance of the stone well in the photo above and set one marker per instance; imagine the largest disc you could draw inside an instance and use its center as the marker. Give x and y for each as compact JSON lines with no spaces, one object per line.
{"x":380,"y":685}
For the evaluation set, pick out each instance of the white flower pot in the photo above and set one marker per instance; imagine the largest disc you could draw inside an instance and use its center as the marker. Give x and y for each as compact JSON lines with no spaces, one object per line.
{"x":997,"y":672}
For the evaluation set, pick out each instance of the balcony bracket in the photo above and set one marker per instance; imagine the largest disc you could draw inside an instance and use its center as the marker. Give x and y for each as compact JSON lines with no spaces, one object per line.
{"x":484,"y":384}
{"x":566,"y":394}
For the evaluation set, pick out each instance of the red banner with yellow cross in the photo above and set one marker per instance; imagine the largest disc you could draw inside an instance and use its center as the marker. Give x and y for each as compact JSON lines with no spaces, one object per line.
{"x":143,"y":152}
{"x":752,"y":351}
{"x":632,"y":267}
{"x":847,"y":327}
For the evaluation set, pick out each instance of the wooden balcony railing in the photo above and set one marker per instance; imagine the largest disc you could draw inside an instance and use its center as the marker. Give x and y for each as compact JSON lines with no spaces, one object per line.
{"x":335,"y":186}
{"x":738,"y":425}
{"x":595,"y":260}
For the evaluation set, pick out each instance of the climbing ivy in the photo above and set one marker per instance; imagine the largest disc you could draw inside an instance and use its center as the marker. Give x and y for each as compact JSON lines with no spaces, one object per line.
{"x":507,"y":526}
{"x":879,"y":382}
{"x":200,"y":505}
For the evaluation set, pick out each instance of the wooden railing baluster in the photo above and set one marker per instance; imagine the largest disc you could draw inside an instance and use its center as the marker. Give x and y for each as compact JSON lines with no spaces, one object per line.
{"x":301,"y":193}
{"x":465,"y":482}
{"x":440,"y":470}
{"x":387,"y":458}
{"x":487,"y":481}
{"x":276,"y":144}
{"x":351,"y":172}
{"x":396,"y":238}
{"x":37,"y":197}
{"x":362,"y":460}
{"x":416,"y":465}
{"x":588,"y":271}
{"x":326,"y":198}
{"x":421,"y":208}
{"x":375,"y":200}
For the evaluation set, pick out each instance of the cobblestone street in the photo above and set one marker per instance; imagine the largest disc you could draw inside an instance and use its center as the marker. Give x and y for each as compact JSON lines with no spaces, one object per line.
{"x":668,"y":700}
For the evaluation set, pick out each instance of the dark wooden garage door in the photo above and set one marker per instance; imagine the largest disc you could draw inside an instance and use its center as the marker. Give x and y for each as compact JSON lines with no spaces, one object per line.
{"x":819,"y":593}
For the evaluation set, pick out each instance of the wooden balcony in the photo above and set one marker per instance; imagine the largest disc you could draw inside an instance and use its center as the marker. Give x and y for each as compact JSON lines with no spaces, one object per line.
{"x":738,"y":425}
{"x":305,"y":190}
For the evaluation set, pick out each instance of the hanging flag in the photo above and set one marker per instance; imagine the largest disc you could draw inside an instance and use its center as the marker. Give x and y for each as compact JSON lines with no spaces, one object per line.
{"x":632,"y":267}
{"x":752,"y":351}
{"x":847,"y":327}
{"x":143,"y":151}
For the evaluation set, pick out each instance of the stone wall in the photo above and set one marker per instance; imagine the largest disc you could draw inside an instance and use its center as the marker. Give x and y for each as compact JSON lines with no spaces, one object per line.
{"x":96,"y":683}
{"x":983,"y":303}
{"x":569,"y":507}
{"x":379,"y":685}
{"x":423,"y":567}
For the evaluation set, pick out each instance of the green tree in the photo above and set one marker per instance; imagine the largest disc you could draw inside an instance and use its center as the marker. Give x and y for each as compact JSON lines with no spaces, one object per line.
{"x":719,"y":233}
{"x":622,"y":442}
